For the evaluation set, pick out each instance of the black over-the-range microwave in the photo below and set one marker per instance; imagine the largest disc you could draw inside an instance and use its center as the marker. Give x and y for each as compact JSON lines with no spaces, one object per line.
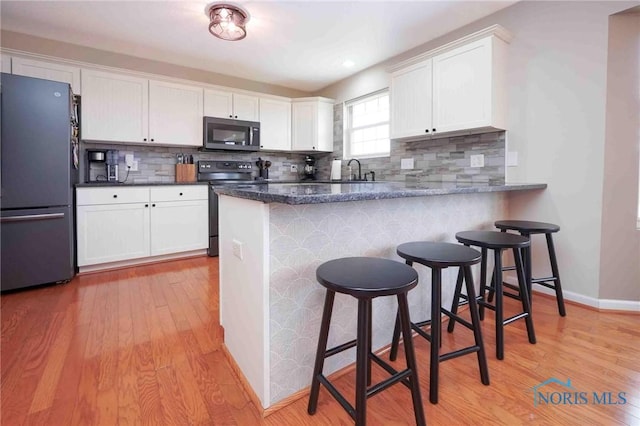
{"x":232,"y":135}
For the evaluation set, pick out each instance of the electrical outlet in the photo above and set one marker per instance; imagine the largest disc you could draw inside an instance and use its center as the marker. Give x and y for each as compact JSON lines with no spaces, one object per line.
{"x":406,"y":163}
{"x":294,"y":168}
{"x":236,"y":248}
{"x":512,"y":158}
{"x":134,"y":166}
{"x":477,"y":160}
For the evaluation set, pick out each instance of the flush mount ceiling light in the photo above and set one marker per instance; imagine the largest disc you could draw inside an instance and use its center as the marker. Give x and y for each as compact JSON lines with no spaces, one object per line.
{"x":227,"y":21}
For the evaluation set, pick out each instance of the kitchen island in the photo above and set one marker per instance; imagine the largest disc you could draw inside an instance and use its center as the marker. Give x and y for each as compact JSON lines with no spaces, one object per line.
{"x":274,"y":236}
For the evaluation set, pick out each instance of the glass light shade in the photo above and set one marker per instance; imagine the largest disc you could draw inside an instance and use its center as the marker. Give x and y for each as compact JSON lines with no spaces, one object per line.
{"x":227,"y":21}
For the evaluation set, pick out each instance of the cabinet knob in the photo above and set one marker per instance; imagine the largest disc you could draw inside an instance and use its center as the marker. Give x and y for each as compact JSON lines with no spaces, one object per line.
{"x":153,"y":205}
{"x":313,"y":147}
{"x":115,"y":195}
{"x":181,"y":193}
{"x":433,"y":130}
{"x":426,"y":131}
{"x":146,"y":205}
{"x":261,"y":146}
{"x":231,"y":116}
{"x":145,"y":139}
{"x":235,"y":116}
{"x":152,"y":139}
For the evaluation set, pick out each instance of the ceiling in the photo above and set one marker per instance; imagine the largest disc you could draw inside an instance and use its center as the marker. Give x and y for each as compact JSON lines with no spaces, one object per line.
{"x":296,"y":44}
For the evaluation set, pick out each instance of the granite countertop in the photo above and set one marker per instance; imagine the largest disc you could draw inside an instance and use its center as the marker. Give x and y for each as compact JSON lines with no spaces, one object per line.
{"x":315,"y":192}
{"x":108,"y":184}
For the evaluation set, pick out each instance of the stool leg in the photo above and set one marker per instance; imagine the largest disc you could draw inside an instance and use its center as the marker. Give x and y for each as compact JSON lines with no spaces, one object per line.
{"x":556,"y":274}
{"x":524,"y":295}
{"x":475,"y":321}
{"x":497,"y":277}
{"x":370,"y":322}
{"x":436,"y":301}
{"x":456,"y":301}
{"x":483,"y":280}
{"x":362,"y":359}
{"x":395,"y":341}
{"x":411,"y":359}
{"x":320,"y":353}
{"x":528,"y":267}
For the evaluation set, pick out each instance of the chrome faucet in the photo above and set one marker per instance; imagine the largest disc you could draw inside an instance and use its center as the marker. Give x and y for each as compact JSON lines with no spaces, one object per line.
{"x":359,"y":168}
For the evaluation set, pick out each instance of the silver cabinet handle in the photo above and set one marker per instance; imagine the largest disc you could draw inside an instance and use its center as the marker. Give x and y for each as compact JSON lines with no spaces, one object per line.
{"x":30,"y":217}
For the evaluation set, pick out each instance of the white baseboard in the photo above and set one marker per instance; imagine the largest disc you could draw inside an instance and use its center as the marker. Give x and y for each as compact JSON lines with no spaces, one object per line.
{"x":140,"y":261}
{"x":602,"y":304}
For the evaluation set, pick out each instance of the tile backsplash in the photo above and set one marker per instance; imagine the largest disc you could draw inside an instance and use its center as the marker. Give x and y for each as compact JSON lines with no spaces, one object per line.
{"x":446,"y":159}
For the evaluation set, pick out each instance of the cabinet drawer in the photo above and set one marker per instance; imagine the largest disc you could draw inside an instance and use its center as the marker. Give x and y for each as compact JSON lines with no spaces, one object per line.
{"x":111,"y":195}
{"x":179,"y":193}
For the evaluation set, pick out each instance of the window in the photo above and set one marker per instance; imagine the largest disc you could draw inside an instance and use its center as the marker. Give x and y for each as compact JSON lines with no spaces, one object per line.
{"x":366,"y":126}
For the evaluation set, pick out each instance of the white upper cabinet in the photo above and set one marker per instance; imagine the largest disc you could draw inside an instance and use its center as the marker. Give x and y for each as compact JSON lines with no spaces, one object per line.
{"x":115,"y":107}
{"x":175,"y":114}
{"x":411,"y":100}
{"x":312,"y":128}
{"x":5,"y":63}
{"x":275,"y":124}
{"x":458,"y":88}
{"x":128,"y":109}
{"x":225,"y":104}
{"x":464,"y":89}
{"x":47,"y":71}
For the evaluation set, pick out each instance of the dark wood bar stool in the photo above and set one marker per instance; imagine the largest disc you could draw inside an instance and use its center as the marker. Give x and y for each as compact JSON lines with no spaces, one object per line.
{"x":498,"y":242}
{"x":439,"y":256}
{"x":527,"y":228}
{"x":366,"y":278}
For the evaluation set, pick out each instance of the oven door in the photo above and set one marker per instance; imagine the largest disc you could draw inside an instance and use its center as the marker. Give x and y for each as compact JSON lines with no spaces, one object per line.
{"x":232,"y":135}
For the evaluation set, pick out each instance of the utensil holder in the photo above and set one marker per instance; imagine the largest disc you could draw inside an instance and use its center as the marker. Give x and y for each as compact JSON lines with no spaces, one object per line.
{"x":185,"y":172}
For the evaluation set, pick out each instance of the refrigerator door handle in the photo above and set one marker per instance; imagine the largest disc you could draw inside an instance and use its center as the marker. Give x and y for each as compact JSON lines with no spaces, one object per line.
{"x":32,"y":217}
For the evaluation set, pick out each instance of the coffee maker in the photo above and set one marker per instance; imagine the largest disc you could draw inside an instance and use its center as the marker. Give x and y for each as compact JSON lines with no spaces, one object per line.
{"x":102,"y":165}
{"x":309,"y":171}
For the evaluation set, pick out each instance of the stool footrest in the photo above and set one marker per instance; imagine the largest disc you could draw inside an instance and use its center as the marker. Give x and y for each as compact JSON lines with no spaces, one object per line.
{"x":340,"y":348}
{"x":388,"y":368}
{"x":459,"y":352}
{"x":338,"y":396}
{"x":400,"y":376}
{"x":543,"y":280}
{"x":457,"y":318}
{"x":417,"y":329}
{"x":514,"y":318}
{"x":508,"y":268}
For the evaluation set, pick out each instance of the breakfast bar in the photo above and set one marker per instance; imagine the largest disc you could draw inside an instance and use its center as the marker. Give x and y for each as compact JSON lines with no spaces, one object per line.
{"x":274,"y":236}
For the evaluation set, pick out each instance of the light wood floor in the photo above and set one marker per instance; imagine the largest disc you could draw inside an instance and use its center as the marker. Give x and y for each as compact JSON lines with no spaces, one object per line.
{"x":142,"y":346}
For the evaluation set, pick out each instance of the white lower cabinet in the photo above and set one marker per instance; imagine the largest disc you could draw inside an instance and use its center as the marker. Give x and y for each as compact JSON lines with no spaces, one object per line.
{"x":121,"y":224}
{"x":182,"y":225}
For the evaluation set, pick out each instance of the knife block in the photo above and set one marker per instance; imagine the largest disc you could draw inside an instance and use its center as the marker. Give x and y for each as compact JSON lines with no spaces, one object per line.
{"x":185,"y":172}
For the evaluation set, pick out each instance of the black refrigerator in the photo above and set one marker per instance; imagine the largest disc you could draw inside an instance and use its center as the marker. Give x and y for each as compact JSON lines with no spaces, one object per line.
{"x":38,"y":176}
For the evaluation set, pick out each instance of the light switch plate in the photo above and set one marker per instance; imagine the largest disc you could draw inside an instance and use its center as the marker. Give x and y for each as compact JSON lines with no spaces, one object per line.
{"x":406,"y":163}
{"x":236,"y":247}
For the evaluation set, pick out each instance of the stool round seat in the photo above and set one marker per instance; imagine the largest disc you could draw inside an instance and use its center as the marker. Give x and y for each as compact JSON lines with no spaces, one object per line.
{"x":527,"y":227}
{"x":438,"y":254}
{"x":492,"y":239}
{"x":364,"y":277}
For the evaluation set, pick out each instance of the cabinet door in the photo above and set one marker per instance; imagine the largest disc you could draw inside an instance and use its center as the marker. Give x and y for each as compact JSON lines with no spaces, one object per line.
{"x":178,"y":226}
{"x":48,"y":71}
{"x":218,"y":103}
{"x":305,"y":126}
{"x":411,"y":102}
{"x":275,"y":125}
{"x":108,"y":233}
{"x":462,"y":87}
{"x":325,"y":127}
{"x":175,"y":114}
{"x":246,"y":107}
{"x":115,"y":107}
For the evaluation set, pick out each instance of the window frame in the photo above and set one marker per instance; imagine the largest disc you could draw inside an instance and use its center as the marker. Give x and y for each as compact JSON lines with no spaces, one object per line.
{"x":347,"y":129}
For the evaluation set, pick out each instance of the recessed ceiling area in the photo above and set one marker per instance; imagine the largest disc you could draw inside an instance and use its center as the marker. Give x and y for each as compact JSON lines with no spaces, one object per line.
{"x":300,"y":45}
